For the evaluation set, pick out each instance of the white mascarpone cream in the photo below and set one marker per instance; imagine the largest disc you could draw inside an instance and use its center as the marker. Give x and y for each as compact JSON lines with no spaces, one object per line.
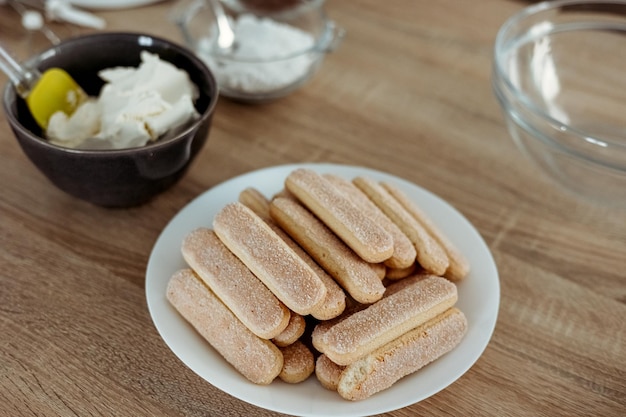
{"x":135,"y":106}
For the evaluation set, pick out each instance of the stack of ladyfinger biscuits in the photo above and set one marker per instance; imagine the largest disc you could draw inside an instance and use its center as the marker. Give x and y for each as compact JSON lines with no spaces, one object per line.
{"x":354,"y":262}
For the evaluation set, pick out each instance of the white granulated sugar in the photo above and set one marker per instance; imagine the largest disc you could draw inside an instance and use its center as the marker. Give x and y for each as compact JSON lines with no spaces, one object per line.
{"x":261,"y":39}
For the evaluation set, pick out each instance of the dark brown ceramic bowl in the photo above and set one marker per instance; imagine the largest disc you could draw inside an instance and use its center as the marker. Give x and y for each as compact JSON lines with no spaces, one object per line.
{"x":114,"y":178}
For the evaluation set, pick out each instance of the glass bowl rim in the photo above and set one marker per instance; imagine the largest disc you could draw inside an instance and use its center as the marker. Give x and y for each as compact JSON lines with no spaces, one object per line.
{"x":329,"y":37}
{"x":501,"y":80}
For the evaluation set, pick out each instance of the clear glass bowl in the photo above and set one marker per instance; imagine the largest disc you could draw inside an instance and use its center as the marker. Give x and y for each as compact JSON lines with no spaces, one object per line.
{"x":274,"y":54}
{"x":559,"y":75}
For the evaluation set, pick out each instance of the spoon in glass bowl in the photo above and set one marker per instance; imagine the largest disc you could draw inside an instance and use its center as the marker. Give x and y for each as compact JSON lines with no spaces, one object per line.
{"x":225,"y":35}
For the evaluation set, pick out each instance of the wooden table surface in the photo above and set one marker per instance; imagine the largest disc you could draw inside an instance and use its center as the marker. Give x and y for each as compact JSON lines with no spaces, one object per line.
{"x":407,"y":92}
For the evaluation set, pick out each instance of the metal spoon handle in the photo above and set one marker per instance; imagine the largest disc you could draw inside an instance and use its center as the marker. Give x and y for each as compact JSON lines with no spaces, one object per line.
{"x":22,"y":78}
{"x":225,"y":36}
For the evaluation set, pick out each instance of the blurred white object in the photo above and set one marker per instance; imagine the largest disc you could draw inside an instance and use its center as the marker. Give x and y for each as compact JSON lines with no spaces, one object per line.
{"x":63,"y":10}
{"x":70,"y":11}
{"x":111,"y":4}
{"x":32,"y":20}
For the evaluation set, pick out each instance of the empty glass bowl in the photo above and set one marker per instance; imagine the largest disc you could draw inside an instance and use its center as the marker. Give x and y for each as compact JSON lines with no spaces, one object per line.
{"x":559,"y":75}
{"x":275,"y":51}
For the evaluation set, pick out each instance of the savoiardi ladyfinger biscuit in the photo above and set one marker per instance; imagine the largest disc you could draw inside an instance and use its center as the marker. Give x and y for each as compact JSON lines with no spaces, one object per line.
{"x":257,"y":359}
{"x":458,"y":265}
{"x":403,"y":356}
{"x":430,"y":255}
{"x":380,"y":269}
{"x":370,"y":241}
{"x":247,"y":297}
{"x":385,"y":320}
{"x":353,"y":306}
{"x":298,"y":363}
{"x":323,"y":327}
{"x":335,"y":301}
{"x":328,"y":373}
{"x":255,"y":201}
{"x":404,"y":253}
{"x":254,"y":242}
{"x":400,"y":273}
{"x":354,"y":275}
{"x":294,"y":330}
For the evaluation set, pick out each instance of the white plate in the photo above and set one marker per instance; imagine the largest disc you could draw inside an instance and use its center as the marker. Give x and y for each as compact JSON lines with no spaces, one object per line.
{"x":479,"y":298}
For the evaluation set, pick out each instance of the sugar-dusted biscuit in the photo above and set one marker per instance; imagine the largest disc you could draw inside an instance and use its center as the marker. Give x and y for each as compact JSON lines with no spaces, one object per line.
{"x":399,"y":273}
{"x":298,"y":364}
{"x":335,"y":301}
{"x":256,"y":201}
{"x":458,"y":264}
{"x":247,"y":297}
{"x":259,"y":360}
{"x":293,"y":331}
{"x":254,"y":242}
{"x":430,"y":255}
{"x":368,"y":329}
{"x":352,"y":273}
{"x":380,"y":269}
{"x":328,"y":372}
{"x":403,"y":356}
{"x":404,"y":253}
{"x":370,"y":241}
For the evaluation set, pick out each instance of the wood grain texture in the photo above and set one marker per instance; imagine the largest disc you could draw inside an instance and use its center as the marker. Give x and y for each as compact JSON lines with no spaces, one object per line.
{"x":407,"y":92}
